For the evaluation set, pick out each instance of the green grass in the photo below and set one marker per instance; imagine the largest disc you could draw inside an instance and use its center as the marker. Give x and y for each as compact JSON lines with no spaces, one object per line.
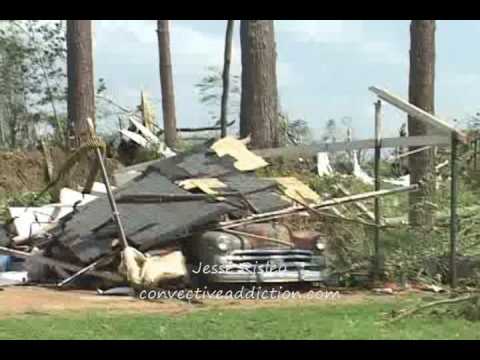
{"x":327,"y":321}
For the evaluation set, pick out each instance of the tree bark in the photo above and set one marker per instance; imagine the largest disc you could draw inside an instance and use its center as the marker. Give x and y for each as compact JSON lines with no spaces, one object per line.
{"x":421,"y":94}
{"x":81,"y":88}
{"x":226,"y":77}
{"x":259,"y":101}
{"x":166,"y":81}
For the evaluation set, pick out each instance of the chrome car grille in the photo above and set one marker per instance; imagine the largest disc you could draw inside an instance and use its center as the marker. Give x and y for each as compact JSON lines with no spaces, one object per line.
{"x":286,"y":259}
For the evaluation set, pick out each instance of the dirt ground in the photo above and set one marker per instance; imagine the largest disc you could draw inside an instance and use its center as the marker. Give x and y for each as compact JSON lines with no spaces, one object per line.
{"x":24,"y":171}
{"x":21,"y":300}
{"x":18,"y":300}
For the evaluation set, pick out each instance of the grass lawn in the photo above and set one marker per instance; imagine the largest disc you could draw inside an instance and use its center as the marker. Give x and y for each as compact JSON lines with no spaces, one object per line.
{"x":326,"y":321}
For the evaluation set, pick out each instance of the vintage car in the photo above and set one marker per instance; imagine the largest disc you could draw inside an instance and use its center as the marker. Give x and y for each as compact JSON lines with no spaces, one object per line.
{"x":256,"y":253}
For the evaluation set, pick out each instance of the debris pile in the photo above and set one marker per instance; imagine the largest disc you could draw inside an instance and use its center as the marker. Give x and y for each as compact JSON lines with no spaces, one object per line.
{"x":176,"y":213}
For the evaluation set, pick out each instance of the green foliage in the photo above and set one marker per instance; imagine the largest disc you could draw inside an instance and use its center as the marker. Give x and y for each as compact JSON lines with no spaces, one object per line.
{"x":32,"y":75}
{"x":29,"y":199}
{"x":21,"y":200}
{"x":210,"y":89}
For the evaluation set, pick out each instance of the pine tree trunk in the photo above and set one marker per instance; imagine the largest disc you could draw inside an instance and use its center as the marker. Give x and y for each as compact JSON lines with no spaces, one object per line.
{"x":421,"y":94}
{"x":259,"y":101}
{"x":166,"y":80}
{"x":81,"y":88}
{"x":226,"y":77}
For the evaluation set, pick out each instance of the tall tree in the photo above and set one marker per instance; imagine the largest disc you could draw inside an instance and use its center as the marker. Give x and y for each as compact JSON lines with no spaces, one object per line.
{"x":421,"y":93}
{"x":166,"y":80}
{"x":81,"y":92}
{"x":32,"y":79}
{"x":259,"y":102}
{"x":226,"y":77}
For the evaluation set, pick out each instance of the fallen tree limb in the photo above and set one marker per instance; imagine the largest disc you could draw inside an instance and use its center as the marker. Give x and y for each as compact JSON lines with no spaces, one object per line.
{"x":57,"y":263}
{"x":417,"y":309}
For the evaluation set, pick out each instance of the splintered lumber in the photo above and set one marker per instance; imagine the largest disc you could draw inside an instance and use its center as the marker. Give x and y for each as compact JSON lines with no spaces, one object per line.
{"x":57,"y":263}
{"x":325,"y":204}
{"x":402,"y":155}
{"x":313,"y":150}
{"x":441,"y":165}
{"x":418,"y":113}
{"x":359,"y":205}
{"x":337,"y":215}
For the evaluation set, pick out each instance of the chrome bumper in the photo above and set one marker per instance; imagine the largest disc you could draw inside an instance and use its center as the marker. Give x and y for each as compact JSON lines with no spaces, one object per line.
{"x":280,"y":277}
{"x":293,"y":265}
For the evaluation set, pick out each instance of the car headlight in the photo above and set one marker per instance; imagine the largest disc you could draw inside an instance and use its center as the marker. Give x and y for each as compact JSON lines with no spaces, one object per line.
{"x":320,"y":246}
{"x":222,"y":246}
{"x":219,"y":242}
{"x":224,"y":243}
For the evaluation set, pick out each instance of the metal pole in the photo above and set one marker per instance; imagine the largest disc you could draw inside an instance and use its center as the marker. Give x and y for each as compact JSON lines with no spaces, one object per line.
{"x":111,"y":199}
{"x":379,"y":253}
{"x":453,"y":212}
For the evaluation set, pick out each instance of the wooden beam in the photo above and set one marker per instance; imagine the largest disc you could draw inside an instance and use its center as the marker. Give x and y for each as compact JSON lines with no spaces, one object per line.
{"x":379,"y":248}
{"x":454,"y":225}
{"x":312,"y":150}
{"x":359,"y":205}
{"x":418,"y":113}
{"x":402,"y":155}
{"x":325,"y":204}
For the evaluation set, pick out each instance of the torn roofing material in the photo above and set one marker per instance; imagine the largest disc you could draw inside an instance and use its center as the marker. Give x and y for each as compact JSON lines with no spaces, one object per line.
{"x":90,"y":232}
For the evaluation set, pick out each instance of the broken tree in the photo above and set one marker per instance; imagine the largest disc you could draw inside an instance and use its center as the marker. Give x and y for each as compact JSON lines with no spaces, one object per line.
{"x":81,"y":93}
{"x":226,"y":77}
{"x":166,"y":81}
{"x":421,"y":94}
{"x":259,"y":101}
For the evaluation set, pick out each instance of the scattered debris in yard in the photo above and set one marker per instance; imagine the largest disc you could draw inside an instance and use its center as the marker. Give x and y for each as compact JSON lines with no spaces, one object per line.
{"x":165,"y":207}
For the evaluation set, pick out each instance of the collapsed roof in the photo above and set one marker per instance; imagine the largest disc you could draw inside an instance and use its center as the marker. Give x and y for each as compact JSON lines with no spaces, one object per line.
{"x":88,"y":235}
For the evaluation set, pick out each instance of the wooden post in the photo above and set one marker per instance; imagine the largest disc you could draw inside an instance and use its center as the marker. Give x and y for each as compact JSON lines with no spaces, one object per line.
{"x":379,"y":253}
{"x":226,"y":77}
{"x":475,"y":152}
{"x":166,"y":84}
{"x":453,"y":211}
